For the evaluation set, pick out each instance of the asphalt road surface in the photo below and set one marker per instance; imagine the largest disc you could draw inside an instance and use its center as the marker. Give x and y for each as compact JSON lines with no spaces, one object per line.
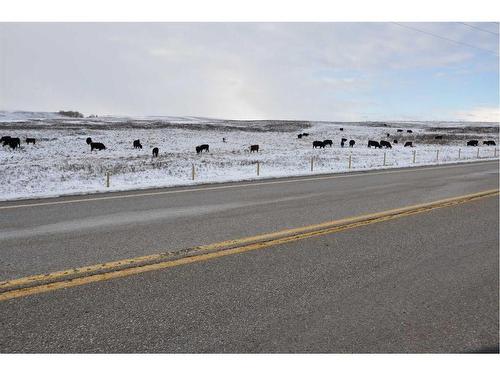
{"x":422,"y":283}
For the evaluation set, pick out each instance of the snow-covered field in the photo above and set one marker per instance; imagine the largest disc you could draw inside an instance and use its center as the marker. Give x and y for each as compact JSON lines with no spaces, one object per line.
{"x":61,"y":162}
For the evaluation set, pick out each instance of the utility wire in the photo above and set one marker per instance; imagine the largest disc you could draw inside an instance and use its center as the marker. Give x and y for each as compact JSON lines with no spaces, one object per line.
{"x":445,"y":38}
{"x":478,"y":28}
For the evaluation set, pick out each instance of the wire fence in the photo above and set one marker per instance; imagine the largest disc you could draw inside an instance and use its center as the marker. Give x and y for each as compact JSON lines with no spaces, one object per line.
{"x":342,"y":161}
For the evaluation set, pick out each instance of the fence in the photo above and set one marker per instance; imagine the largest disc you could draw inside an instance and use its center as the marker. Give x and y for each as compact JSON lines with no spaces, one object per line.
{"x":342,"y":161}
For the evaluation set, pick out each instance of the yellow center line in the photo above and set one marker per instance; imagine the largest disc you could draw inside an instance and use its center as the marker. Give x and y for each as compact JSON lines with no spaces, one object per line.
{"x":106,"y":271}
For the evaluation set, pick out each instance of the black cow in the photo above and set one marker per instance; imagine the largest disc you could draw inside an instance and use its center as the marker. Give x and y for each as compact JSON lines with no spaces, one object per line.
{"x":388,"y":135}
{"x":13,"y":143}
{"x":328,"y":142}
{"x":97,"y":146}
{"x":395,"y":141}
{"x":319,"y":144}
{"x":299,"y":136}
{"x":254,"y":148}
{"x":385,"y":144}
{"x":30,"y":140}
{"x":438,"y":137}
{"x":305,"y":134}
{"x":409,"y":131}
{"x":489,"y":143}
{"x":342,"y":143}
{"x":200,"y":148}
{"x":408,"y":144}
{"x":400,"y":130}
{"x":352,"y":142}
{"x":88,"y":140}
{"x":155,"y":152}
{"x":341,"y":129}
{"x":472,"y":143}
{"x":223,"y":140}
{"x":374,"y":144}
{"x":137,"y":144}
{"x":5,"y":139}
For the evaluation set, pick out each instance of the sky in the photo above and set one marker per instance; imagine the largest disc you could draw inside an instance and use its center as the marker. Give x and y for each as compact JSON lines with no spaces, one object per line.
{"x":299,"y":71}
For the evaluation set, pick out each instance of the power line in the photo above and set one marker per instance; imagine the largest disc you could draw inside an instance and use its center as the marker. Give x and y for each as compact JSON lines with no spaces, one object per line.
{"x":478,"y":28}
{"x":445,"y":38}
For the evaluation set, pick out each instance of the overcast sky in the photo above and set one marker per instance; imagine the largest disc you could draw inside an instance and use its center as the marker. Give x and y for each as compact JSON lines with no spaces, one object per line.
{"x":315,"y":71}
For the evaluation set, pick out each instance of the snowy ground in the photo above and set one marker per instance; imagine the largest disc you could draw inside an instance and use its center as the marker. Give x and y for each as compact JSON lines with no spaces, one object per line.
{"x":61,"y":162}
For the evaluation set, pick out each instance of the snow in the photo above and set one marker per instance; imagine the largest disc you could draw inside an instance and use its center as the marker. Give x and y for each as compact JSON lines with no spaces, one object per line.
{"x":61,"y":162}
{"x":41,"y":117}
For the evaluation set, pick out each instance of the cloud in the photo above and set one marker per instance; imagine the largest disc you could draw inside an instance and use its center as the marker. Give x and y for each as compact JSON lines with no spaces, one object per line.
{"x":480,"y":114}
{"x":318,"y":71}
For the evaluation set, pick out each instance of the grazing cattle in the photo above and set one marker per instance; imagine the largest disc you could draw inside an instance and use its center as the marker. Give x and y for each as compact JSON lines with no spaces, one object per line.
{"x":408,"y":144}
{"x":155,"y":152}
{"x":409,"y":131}
{"x":200,"y":148}
{"x":328,"y":142}
{"x":88,"y":140}
{"x":388,"y":135}
{"x":254,"y":148}
{"x":5,"y":139}
{"x":13,"y":143}
{"x":137,"y":144}
{"x":395,"y":141}
{"x":319,"y":144}
{"x":305,"y":134}
{"x":438,"y":137}
{"x":223,"y":140}
{"x":30,"y":140}
{"x":489,"y":143}
{"x":342,"y":143}
{"x":472,"y":143}
{"x":385,"y":144}
{"x":341,"y":129}
{"x":374,"y":144}
{"x":400,"y":130}
{"x":97,"y":146}
{"x":299,"y":136}
{"x":352,"y":142}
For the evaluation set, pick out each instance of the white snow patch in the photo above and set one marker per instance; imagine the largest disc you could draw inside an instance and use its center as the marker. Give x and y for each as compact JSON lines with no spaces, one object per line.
{"x":61,"y":163}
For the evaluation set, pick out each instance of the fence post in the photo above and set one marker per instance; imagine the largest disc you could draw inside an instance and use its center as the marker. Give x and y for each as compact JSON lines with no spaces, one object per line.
{"x":312,"y":163}
{"x":384,"y":158}
{"x":192,"y":172}
{"x":459,"y":153}
{"x":258,"y":169}
{"x":350,"y":161}
{"x":107,"y":179}
{"x":477,"y":152}
{"x":414,"y":154}
{"x":437,"y":155}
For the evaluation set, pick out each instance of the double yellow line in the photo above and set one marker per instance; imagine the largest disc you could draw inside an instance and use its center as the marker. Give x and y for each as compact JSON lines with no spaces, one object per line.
{"x":36,"y":284}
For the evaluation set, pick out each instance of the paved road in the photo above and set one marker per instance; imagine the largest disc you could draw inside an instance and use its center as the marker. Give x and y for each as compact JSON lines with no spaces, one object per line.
{"x":39,"y":239}
{"x":423,"y":283}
